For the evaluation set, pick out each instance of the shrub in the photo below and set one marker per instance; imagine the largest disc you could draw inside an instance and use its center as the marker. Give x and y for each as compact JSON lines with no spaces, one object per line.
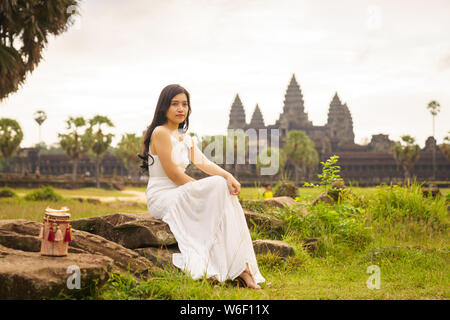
{"x":7,"y":193}
{"x":340,"y":224}
{"x":44,"y":194}
{"x":396,"y":203}
{"x":285,"y":189}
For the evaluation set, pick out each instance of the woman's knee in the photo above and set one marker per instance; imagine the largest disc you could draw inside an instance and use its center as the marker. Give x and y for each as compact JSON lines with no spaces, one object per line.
{"x":217,"y":180}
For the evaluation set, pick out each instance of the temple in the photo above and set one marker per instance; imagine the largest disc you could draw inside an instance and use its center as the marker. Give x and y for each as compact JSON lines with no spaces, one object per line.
{"x":371,"y":163}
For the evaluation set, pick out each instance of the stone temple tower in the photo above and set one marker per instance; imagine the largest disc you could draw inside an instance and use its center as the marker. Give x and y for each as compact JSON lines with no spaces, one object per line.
{"x":293,"y":116}
{"x":237,"y":115}
{"x":340,"y":123}
{"x":257,"y":121}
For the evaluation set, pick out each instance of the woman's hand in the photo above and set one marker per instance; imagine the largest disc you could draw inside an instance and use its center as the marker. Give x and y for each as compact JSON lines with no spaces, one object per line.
{"x":233,"y":185}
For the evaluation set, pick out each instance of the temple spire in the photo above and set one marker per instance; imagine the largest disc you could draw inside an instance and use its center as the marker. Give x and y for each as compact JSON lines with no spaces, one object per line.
{"x":257,"y":121}
{"x":336,"y":101}
{"x":237,"y":115}
{"x":340,"y":123}
{"x":293,"y":99}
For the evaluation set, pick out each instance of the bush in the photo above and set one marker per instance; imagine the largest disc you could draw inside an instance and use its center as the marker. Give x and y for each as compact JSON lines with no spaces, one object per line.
{"x":44,"y":194}
{"x":7,"y":193}
{"x":339,"y":224}
{"x":285,"y":189}
{"x":396,"y":203}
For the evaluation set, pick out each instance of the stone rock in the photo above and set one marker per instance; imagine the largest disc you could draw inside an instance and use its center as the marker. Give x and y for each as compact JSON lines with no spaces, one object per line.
{"x":129,"y":230}
{"x":340,"y":184}
{"x":310,"y":244}
{"x":124,"y":258}
{"x":144,"y":233}
{"x":276,"y":247}
{"x":28,"y":275}
{"x":432,"y":190}
{"x":21,"y":226}
{"x":280,"y":202}
{"x":159,"y":256}
{"x":20,"y":235}
{"x":23,"y":235}
{"x":88,"y":200}
{"x":337,"y":190}
{"x":19,"y":241}
{"x":324,"y":198}
{"x":93,"y":200}
{"x":304,"y":212}
{"x":79,"y":199}
{"x":264,"y":221}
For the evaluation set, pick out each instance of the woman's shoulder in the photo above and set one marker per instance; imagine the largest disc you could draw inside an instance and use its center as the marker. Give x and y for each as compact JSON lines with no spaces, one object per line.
{"x":160,"y":131}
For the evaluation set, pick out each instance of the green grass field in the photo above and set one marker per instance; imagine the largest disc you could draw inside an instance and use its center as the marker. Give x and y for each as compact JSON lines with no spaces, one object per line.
{"x":82,"y":192}
{"x":398,"y":230}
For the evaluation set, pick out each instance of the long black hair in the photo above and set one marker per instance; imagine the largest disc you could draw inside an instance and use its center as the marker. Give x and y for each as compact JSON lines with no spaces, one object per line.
{"x":160,"y":118}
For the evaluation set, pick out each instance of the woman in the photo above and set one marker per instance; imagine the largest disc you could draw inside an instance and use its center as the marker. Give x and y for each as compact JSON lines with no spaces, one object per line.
{"x":204,"y":215}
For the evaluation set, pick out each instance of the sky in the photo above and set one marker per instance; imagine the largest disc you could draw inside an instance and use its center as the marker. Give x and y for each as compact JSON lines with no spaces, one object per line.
{"x":386,"y":59}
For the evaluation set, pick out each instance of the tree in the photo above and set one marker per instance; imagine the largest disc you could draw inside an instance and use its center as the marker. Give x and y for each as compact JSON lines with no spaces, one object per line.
{"x":300,"y":152}
{"x":11,"y":136}
{"x":434,"y":108}
{"x":24,"y":29}
{"x":127,"y":149}
{"x":100,"y":141}
{"x":406,"y":155}
{"x":39,"y":116}
{"x":75,"y":143}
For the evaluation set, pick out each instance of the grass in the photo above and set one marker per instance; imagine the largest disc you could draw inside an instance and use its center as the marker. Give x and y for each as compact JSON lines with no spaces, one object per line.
{"x":399,"y":230}
{"x":82,"y":192}
{"x":18,"y":208}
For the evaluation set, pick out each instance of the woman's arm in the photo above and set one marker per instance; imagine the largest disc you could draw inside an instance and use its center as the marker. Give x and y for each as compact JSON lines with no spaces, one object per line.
{"x":207,"y":166}
{"x":163,"y":146}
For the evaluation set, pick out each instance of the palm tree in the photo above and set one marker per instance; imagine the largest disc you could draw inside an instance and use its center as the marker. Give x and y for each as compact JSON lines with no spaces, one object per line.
{"x":100,"y":142}
{"x":300,"y":152}
{"x":406,"y":155}
{"x":75,"y":143}
{"x":11,"y":136}
{"x":127,"y":149}
{"x":434,"y":108}
{"x":39,"y":116}
{"x":24,"y":29}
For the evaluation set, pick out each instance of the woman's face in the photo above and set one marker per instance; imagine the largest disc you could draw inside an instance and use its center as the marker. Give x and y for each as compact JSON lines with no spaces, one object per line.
{"x":178,"y":109}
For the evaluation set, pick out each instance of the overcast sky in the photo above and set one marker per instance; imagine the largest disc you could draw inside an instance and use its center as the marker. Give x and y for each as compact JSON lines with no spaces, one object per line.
{"x":386,"y":59}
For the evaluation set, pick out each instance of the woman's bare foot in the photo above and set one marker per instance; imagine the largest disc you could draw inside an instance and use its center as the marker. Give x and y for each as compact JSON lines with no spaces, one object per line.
{"x":248,"y":279}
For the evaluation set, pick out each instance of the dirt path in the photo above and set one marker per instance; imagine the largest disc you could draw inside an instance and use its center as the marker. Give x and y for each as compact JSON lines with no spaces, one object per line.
{"x":139,"y":196}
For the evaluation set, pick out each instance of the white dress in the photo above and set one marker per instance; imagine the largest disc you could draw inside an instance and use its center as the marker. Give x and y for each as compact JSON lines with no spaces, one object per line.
{"x":205,"y":219}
